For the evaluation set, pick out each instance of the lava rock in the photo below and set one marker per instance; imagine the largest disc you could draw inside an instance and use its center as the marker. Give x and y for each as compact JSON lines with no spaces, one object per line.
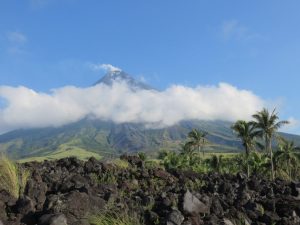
{"x":192,"y":205}
{"x":53,"y":219}
{"x":175,"y":218}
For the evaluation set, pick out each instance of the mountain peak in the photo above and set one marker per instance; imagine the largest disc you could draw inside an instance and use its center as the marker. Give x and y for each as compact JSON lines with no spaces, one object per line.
{"x":118,"y":75}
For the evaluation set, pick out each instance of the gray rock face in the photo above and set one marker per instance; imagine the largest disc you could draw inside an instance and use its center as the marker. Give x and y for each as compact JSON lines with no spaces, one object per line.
{"x":1,"y":223}
{"x":175,"y":218}
{"x":192,"y":205}
{"x":227,"y":222}
{"x":53,"y":219}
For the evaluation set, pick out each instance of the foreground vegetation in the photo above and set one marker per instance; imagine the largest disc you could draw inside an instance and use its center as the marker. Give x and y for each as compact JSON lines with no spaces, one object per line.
{"x":258,"y":137}
{"x":13,"y":177}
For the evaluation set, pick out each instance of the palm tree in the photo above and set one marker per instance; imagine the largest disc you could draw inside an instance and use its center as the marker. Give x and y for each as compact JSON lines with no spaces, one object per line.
{"x":216,"y":163}
{"x":247,"y":132}
{"x":187,"y":149}
{"x":258,"y":162}
{"x":267,"y":125}
{"x":197,"y":139}
{"x":287,"y":155}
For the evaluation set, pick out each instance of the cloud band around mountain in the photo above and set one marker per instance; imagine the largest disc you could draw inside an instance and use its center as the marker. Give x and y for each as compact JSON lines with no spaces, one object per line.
{"x":26,"y":108}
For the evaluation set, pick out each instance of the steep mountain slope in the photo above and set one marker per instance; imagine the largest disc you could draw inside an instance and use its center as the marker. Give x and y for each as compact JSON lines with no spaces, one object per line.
{"x":119,"y":75}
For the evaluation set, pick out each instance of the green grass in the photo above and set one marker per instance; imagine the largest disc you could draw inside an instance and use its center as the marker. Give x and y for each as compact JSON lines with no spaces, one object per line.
{"x":114,"y":219}
{"x":13,"y":179}
{"x":121,"y":164}
{"x":64,"y":152}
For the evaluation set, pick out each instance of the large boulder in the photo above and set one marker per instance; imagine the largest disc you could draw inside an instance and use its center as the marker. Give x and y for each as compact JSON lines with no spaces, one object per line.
{"x":53,"y":219}
{"x":192,"y":205}
{"x":175,"y":218}
{"x":25,"y":205}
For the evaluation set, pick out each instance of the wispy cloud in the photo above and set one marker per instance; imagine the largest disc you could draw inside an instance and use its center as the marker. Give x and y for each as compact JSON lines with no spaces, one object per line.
{"x":27,"y":108}
{"x":292,"y":127}
{"x":234,"y":30}
{"x":16,"y":42}
{"x":16,"y":37}
{"x":104,"y":67}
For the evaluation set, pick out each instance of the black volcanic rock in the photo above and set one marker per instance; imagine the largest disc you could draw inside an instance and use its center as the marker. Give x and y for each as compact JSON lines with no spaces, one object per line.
{"x":72,"y":190}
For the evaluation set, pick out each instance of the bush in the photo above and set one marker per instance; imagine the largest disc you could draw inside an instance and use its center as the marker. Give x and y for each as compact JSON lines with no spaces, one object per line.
{"x":114,"y":219}
{"x":13,"y":179}
{"x":121,"y":164}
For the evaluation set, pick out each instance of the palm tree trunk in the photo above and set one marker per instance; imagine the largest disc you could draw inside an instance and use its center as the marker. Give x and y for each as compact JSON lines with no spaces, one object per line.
{"x":289,"y":169}
{"x":248,"y":170}
{"x":269,"y":146}
{"x":247,"y":157}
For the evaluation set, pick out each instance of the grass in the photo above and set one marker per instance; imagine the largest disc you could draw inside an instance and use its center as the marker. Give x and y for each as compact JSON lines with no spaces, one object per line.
{"x":63,"y":153}
{"x":114,"y":219}
{"x":105,"y":178}
{"x":13,"y":179}
{"x":121,"y":164}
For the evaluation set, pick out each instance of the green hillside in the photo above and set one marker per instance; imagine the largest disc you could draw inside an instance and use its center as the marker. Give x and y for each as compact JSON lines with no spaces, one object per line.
{"x":105,"y":139}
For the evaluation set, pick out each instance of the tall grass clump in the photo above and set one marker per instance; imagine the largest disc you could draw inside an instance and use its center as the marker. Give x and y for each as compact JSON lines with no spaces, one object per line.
{"x":121,"y":164}
{"x":114,"y":219}
{"x":13,"y":179}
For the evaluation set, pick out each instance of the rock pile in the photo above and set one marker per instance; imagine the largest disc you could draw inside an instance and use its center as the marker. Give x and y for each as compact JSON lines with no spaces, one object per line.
{"x":70,"y":191}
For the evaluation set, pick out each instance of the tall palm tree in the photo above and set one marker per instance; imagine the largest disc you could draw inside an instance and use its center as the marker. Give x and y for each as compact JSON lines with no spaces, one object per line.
{"x":197,"y":139}
{"x":216,"y":163}
{"x":267,"y":125}
{"x":287,"y":154}
{"x":187,"y":149}
{"x":247,"y":132}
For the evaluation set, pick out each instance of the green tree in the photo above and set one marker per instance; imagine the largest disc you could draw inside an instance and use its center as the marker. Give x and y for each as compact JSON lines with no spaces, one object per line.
{"x":247,"y":132}
{"x":197,"y":139}
{"x":216,"y":163}
{"x":268,"y":125}
{"x":286,"y":156}
{"x":259,"y":162}
{"x":187,"y":149}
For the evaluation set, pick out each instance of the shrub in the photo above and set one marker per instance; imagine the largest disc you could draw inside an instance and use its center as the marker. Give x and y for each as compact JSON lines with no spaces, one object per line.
{"x":114,"y":219}
{"x":142,"y":156}
{"x":121,"y":164}
{"x":13,"y":179}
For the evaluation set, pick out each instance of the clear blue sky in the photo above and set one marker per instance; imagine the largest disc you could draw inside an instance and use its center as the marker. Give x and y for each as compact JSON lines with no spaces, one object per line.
{"x":253,"y":45}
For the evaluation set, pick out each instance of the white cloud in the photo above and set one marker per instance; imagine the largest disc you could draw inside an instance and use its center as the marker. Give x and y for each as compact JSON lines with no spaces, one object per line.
{"x":17,"y":42}
{"x":105,"y":67}
{"x":234,"y":30}
{"x":28,"y":108}
{"x":16,"y":37}
{"x":292,"y":127}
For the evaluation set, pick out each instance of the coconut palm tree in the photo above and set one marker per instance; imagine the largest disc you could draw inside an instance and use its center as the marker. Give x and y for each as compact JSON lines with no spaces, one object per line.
{"x":259,"y":162}
{"x":247,"y":132}
{"x":187,"y":149}
{"x":197,"y":139}
{"x":216,"y":163}
{"x":267,"y":125}
{"x":287,"y":155}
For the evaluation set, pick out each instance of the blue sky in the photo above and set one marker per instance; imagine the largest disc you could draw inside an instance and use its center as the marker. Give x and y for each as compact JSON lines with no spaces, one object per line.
{"x":252,"y":45}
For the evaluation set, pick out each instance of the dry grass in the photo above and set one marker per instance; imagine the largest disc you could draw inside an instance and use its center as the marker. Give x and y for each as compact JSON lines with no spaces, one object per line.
{"x":13,"y":179}
{"x":114,"y":219}
{"x":121,"y":164}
